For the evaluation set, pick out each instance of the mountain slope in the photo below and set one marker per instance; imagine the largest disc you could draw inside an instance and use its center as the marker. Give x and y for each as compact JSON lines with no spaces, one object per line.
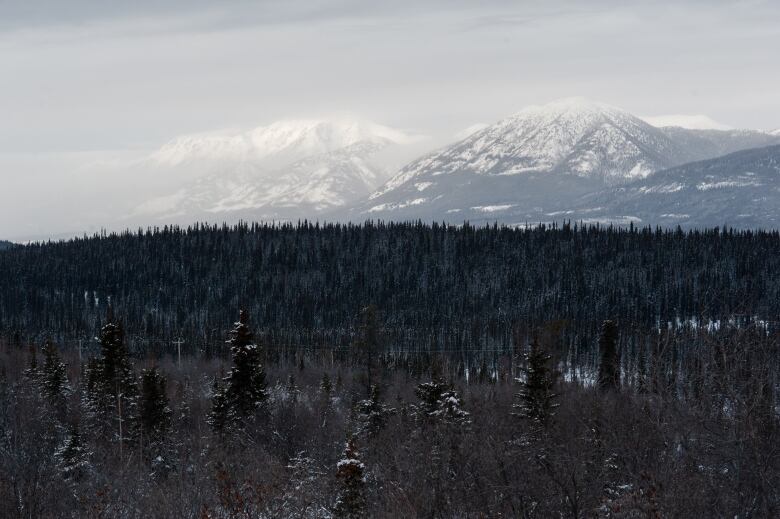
{"x":739,"y":190}
{"x":5,"y":244}
{"x":538,"y":162}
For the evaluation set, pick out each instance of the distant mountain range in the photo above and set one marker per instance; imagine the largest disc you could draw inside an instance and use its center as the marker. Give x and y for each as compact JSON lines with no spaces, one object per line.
{"x":539,"y":165}
{"x":739,"y":190}
{"x":569,"y":159}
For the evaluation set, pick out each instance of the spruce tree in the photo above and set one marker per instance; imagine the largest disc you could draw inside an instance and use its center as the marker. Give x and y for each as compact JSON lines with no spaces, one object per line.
{"x":113,"y":396}
{"x":351,"y":501}
{"x":534,"y":401}
{"x":245,"y":387}
{"x":372,"y":414}
{"x":73,"y":457}
{"x":154,"y":413}
{"x":609,"y":367}
{"x":32,"y":372}
{"x":54,"y":380}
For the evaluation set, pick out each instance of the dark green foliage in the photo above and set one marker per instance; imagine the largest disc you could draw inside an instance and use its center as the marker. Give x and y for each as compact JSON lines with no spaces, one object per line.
{"x":73,"y":457}
{"x":372,"y":414}
{"x":351,"y":501}
{"x":32,"y":372}
{"x":244,"y":391}
{"x":154,"y":412}
{"x":112,"y":398}
{"x":609,"y":367}
{"x":535,"y":400}
{"x":54,"y":379}
{"x":440,"y":403}
{"x":464,"y":283}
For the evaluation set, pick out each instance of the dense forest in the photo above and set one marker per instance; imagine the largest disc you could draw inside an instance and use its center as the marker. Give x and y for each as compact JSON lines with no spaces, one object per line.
{"x":396,"y":370}
{"x":455,"y":288}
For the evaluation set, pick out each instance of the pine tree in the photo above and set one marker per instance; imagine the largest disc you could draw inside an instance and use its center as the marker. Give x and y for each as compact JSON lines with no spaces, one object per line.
{"x":54,"y":380}
{"x":609,"y":368}
{"x":535,"y":398}
{"x":245,"y":387}
{"x":351,"y":501}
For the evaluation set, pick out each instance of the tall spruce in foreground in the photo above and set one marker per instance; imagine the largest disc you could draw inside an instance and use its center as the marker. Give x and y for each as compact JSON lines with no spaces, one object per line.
{"x":112,"y":402}
{"x":244,"y":390}
{"x":351,"y":501}
{"x":534,"y":401}
{"x":609,"y":367}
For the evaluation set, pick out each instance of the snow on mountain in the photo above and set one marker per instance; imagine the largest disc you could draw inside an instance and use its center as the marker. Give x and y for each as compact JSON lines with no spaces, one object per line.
{"x":295,"y":165}
{"x":775,"y":132}
{"x":739,"y":190}
{"x":689,"y":122}
{"x":538,"y":162}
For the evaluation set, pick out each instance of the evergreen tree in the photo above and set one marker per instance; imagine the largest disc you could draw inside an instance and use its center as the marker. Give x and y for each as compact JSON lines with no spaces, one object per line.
{"x":609,"y":367}
{"x":372,"y":414}
{"x":73,"y":457}
{"x":535,"y":398}
{"x":351,"y":501}
{"x":154,"y":413}
{"x":113,"y":389}
{"x":245,"y":387}
{"x":54,"y":380}
{"x":326,"y":385}
{"x":369,"y":342}
{"x":32,"y":372}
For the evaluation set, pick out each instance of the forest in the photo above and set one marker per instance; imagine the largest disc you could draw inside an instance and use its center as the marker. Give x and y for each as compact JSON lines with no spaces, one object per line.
{"x":391,"y":370}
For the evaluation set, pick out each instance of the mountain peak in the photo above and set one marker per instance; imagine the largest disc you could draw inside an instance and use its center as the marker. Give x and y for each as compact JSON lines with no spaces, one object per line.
{"x":574,"y":104}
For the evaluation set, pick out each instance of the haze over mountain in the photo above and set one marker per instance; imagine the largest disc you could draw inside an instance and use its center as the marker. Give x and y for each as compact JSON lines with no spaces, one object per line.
{"x":286,"y":169}
{"x":539,"y":161}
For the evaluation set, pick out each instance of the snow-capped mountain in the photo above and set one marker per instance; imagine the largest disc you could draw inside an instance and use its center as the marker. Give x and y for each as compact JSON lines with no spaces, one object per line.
{"x":738,"y":190}
{"x":301,"y":166}
{"x":540,"y":161}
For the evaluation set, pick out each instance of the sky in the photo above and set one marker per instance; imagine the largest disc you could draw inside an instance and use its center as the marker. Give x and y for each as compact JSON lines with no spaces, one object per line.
{"x":90,"y":82}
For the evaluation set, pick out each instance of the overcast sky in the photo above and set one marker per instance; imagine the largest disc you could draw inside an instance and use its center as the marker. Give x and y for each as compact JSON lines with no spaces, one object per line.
{"x":102,"y":76}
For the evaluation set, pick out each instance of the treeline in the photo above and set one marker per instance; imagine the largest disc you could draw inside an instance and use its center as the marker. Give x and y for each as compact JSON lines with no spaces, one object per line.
{"x":458,"y":288}
{"x":255,"y":435}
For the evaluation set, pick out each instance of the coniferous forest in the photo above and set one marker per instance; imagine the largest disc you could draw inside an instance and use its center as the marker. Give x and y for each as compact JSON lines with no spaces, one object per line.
{"x":391,"y":370}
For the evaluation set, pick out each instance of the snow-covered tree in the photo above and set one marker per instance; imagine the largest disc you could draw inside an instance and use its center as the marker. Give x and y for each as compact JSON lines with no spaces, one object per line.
{"x":351,"y":501}
{"x":112,"y":400}
{"x":440,"y":402}
{"x":372,"y":414}
{"x":244,"y":390}
{"x":73,"y":457}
